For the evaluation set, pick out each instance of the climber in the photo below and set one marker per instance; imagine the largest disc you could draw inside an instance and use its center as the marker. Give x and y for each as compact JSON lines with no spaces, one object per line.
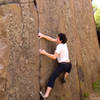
{"x":62,"y":55}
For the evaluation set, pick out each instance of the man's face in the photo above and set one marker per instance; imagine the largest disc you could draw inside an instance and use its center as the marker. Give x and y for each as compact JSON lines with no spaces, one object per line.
{"x":58,"y":40}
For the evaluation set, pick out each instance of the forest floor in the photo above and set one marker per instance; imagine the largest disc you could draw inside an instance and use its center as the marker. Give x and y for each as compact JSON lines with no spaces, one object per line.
{"x":93,"y":96}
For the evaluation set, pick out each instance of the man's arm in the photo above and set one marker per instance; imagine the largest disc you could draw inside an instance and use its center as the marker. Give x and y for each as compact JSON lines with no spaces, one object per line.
{"x":52,"y":56}
{"x":47,"y":37}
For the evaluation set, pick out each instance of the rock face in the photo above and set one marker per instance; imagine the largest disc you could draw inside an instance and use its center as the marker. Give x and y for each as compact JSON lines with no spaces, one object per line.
{"x":23,"y":72}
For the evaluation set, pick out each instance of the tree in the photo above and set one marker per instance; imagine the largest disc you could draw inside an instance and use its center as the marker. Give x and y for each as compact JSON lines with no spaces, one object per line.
{"x":97,"y":17}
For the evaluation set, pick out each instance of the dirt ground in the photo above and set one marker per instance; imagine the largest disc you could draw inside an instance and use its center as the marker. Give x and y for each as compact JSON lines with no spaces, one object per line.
{"x":94,"y":96}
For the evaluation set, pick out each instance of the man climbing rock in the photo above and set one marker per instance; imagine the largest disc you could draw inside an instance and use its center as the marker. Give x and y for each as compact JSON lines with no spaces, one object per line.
{"x":62,"y":55}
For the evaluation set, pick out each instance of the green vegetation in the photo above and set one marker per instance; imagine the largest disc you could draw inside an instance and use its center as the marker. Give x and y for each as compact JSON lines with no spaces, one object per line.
{"x":96,"y":86}
{"x":97,"y":19}
{"x":97,"y":16}
{"x":86,"y":95}
{"x":96,"y":8}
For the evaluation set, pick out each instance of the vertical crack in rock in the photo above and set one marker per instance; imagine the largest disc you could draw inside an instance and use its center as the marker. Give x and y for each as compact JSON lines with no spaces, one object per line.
{"x":80,"y":74}
{"x":35,"y":3}
{"x":79,"y":80}
{"x":36,"y":6}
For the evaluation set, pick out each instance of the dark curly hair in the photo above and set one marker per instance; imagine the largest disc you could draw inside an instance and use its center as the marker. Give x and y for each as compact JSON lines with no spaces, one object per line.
{"x":62,"y":38}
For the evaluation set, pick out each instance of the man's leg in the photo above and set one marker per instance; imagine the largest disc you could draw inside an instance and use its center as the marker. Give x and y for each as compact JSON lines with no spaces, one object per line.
{"x":68,"y":69}
{"x":52,"y":79}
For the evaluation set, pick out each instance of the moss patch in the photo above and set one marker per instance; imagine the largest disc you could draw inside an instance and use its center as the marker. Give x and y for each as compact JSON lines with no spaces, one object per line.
{"x":96,"y":85}
{"x":86,"y":95}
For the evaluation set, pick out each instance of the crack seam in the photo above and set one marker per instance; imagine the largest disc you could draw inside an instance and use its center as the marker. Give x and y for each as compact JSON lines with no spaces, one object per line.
{"x":37,"y":9}
{"x":17,"y":2}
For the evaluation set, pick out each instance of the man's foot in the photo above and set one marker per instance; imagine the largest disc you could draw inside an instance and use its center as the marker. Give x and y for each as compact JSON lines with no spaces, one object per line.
{"x":44,"y":96}
{"x":41,"y":93}
{"x":63,"y":80}
{"x":65,"y":77}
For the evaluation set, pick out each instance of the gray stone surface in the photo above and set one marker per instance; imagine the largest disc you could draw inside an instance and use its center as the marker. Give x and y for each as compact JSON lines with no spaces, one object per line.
{"x":23,"y":72}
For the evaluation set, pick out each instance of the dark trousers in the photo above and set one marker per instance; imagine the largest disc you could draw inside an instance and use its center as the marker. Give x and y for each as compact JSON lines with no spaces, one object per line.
{"x":62,"y":67}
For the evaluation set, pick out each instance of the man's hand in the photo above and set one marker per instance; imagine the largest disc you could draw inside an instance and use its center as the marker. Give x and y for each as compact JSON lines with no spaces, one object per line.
{"x":43,"y":52}
{"x":40,"y":35}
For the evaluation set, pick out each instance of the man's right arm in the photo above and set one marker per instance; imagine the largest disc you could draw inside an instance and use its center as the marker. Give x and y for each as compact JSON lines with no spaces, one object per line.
{"x":46,"y":37}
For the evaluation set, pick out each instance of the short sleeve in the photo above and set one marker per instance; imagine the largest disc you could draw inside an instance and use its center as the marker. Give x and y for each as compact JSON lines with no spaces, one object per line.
{"x":58,"y":49}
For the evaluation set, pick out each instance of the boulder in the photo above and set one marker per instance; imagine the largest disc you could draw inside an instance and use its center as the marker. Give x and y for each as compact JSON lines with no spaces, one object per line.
{"x":23,"y":71}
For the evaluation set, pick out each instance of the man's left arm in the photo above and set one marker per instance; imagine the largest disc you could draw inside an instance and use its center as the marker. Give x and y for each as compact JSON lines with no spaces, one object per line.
{"x":52,"y":56}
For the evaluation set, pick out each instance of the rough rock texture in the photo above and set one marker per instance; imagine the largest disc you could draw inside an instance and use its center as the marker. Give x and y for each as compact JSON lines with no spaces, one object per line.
{"x":23,"y":72}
